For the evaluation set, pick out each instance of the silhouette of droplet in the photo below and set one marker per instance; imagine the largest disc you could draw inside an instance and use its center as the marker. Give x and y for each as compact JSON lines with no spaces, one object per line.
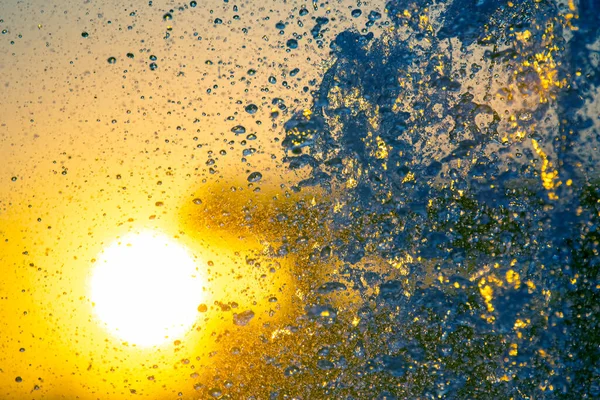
{"x":112,"y":60}
{"x":251,"y":108}
{"x":238,"y":129}
{"x":254,"y":177}
{"x":292,"y":44}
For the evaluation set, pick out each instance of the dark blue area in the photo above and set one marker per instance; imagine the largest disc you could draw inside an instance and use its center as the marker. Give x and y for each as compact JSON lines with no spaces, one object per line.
{"x":466,"y":205}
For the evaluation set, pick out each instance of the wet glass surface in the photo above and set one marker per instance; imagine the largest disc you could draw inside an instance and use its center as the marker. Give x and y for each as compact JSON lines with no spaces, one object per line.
{"x":300,"y":200}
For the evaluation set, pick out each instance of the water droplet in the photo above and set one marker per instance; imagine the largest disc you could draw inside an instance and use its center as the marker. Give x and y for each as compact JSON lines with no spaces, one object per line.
{"x":202,"y":308}
{"x":152,"y":57}
{"x":14,"y":179}
{"x":197,"y":201}
{"x":272,"y":79}
{"x":18,"y":379}
{"x":84,"y":34}
{"x":248,"y":152}
{"x":130,"y":55}
{"x":292,"y":44}
{"x":193,"y":4}
{"x":238,"y":129}
{"x":374,"y":16}
{"x":112,"y":60}
{"x":356,"y":13}
{"x":254,"y":177}
{"x":303,"y":12}
{"x":218,"y":21}
{"x":167,"y":17}
{"x":280,"y":25}
{"x":243,"y":318}
{"x":251,"y":108}
{"x":153,"y":66}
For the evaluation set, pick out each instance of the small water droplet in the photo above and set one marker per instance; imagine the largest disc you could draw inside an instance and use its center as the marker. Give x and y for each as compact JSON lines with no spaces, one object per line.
{"x":238,"y":129}
{"x":374,"y":16}
{"x":112,"y":60}
{"x":197,"y":201}
{"x":167,"y":17}
{"x":251,"y":108}
{"x":14,"y":179}
{"x":292,"y":44}
{"x":356,"y":13}
{"x":153,"y":66}
{"x":243,"y":318}
{"x":193,"y":4}
{"x":84,"y":34}
{"x":254,"y":177}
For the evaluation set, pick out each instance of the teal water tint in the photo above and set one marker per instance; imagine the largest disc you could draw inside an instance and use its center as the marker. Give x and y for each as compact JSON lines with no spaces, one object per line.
{"x":495,"y":219}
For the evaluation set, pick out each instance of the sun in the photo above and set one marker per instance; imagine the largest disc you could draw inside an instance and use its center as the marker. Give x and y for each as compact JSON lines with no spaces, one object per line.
{"x":146,"y":288}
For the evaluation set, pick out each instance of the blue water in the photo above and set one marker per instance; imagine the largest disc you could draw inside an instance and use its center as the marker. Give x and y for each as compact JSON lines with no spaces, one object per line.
{"x":494,"y":220}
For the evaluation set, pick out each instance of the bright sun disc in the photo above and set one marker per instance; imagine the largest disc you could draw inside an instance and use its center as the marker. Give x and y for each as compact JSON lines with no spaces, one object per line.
{"x":146,"y":289}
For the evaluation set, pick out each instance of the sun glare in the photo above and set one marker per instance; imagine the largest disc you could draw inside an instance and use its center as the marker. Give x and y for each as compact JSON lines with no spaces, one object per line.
{"x":146,"y":289}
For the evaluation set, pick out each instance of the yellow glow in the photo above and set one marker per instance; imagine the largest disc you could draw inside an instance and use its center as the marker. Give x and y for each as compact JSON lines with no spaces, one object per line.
{"x":146,"y":289}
